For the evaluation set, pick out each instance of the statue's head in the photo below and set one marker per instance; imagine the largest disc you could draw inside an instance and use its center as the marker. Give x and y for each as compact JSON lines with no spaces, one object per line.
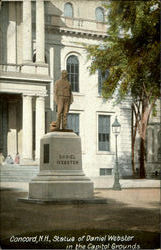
{"x":64,"y":74}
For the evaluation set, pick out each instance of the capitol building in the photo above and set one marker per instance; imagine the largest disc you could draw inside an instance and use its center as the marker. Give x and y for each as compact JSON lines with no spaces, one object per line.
{"x":39,"y":39}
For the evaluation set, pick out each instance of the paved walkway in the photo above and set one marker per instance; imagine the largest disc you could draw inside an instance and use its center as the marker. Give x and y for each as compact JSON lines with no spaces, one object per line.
{"x":107,"y":182}
{"x":101,"y":182}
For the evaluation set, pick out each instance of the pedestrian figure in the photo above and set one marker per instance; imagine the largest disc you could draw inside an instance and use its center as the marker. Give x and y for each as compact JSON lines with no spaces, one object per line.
{"x":9,"y":160}
{"x":17,"y":159}
{"x":1,"y":159}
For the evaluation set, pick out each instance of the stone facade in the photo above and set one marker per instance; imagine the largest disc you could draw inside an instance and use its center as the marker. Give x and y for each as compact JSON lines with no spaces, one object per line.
{"x":23,"y":84}
{"x":36,"y":39}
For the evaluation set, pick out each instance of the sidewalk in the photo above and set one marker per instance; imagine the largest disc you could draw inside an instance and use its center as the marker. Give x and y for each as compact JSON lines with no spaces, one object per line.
{"x":99,"y":183}
{"x":20,"y":175}
{"x":107,"y":182}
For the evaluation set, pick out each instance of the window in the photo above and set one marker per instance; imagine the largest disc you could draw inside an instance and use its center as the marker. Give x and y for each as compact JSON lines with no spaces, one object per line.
{"x":34,"y":58}
{"x":99,"y":14}
{"x":73,"y":122}
{"x":68,"y":10}
{"x":105,"y":171}
{"x":104,"y":133}
{"x":101,"y":78}
{"x":33,"y":6}
{"x":159,"y":149}
{"x":46,"y":122}
{"x":73,"y":72}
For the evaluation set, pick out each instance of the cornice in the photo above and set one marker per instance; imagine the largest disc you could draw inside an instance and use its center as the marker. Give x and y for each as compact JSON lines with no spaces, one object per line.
{"x":80,"y":32}
{"x":19,"y":77}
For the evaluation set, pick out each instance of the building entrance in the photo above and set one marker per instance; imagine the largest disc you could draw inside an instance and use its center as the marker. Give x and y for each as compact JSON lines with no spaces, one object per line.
{"x":3,"y":125}
{"x":10,"y":124}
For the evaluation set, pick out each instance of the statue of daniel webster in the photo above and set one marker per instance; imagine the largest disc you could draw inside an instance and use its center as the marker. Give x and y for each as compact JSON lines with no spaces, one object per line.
{"x":63,"y":98}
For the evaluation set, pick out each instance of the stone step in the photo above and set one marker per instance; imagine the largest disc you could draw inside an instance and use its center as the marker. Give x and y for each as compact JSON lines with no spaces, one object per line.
{"x":18,"y":176}
{"x":17,"y":173}
{"x":18,"y":170}
{"x":18,"y":167}
{"x":15,"y":180}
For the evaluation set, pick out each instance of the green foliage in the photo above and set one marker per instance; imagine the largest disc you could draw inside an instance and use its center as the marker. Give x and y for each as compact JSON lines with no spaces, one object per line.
{"x":131,"y":50}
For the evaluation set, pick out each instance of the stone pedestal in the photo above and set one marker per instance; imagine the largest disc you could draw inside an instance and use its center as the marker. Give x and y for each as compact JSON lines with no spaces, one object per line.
{"x":61,"y":175}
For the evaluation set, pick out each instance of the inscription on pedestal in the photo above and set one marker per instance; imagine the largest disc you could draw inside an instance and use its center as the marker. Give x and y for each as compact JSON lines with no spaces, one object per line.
{"x":46,"y":153}
{"x":66,"y":159}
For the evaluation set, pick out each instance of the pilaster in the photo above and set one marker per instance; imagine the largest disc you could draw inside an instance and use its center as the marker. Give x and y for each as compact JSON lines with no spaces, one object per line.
{"x":27,"y":32}
{"x":11,"y":35}
{"x":40,"y":32}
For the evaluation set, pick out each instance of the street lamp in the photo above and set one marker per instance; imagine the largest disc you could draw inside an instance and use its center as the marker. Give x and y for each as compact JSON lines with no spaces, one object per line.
{"x":116,"y":127}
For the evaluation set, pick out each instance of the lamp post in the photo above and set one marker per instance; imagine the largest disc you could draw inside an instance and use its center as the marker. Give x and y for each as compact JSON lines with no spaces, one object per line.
{"x":116,"y":127}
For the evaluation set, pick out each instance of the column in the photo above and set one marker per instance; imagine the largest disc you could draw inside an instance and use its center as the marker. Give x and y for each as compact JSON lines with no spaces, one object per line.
{"x":40,"y":32}
{"x":53,"y":112}
{"x":27,"y":140}
{"x":40,"y":122}
{"x":52,"y":75}
{"x":27,"y":31}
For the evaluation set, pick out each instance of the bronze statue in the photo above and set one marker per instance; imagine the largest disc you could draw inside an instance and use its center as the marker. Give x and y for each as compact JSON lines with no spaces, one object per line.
{"x":63,"y":98}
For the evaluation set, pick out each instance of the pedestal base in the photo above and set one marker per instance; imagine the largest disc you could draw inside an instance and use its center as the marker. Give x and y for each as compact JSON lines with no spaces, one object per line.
{"x":93,"y":200}
{"x":72,"y":190}
{"x":58,"y":186}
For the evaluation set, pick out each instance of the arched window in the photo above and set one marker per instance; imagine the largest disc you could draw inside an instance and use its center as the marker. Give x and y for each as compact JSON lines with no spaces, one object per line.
{"x":68,"y":10}
{"x":99,"y":14}
{"x":73,"y":72}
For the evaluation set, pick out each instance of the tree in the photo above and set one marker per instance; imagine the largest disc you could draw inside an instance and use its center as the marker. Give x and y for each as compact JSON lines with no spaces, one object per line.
{"x":131,"y":53}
